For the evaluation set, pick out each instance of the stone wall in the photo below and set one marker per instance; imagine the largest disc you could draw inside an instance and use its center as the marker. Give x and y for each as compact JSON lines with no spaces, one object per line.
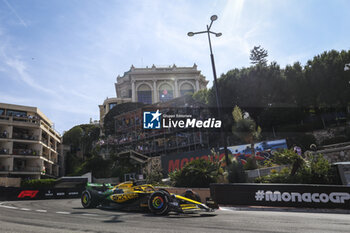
{"x":336,"y":152}
{"x":324,"y":134}
{"x":253,"y":174}
{"x":10,"y":182}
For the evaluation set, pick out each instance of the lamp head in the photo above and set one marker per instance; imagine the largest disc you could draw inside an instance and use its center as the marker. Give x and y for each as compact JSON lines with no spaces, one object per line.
{"x":213,"y":17}
{"x":218,"y":34}
{"x":190,"y":34}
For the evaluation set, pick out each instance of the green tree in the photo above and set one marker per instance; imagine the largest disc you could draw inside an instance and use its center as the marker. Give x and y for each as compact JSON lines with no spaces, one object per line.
{"x":197,"y":173}
{"x":314,"y":169}
{"x":288,"y":157}
{"x":202,"y":96}
{"x":99,"y":167}
{"x":245,"y":128}
{"x":258,"y":55}
{"x":80,"y":138}
{"x":73,"y":137}
{"x":236,"y":172}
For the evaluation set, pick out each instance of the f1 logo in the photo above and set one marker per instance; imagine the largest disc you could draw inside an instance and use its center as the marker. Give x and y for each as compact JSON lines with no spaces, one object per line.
{"x":28,"y":193}
{"x":151,"y":120}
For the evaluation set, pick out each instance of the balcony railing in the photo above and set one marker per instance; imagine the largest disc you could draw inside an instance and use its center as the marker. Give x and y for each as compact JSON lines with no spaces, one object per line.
{"x":25,"y":119}
{"x":27,"y":169}
{"x":25,"y":137}
{"x":4,"y":151}
{"x":25,"y":152}
{"x":45,"y":141}
{"x":46,"y":156}
{"x":4,"y":168}
{"x":4,"y":135}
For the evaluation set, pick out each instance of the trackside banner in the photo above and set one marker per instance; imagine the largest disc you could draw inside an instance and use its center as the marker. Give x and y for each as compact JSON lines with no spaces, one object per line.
{"x":283,"y":195}
{"x":176,"y":161}
{"x":10,"y":193}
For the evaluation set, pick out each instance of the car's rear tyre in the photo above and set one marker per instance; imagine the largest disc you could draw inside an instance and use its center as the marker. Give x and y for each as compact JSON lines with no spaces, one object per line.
{"x":89,"y":199}
{"x":164,"y":190}
{"x":158,"y":203}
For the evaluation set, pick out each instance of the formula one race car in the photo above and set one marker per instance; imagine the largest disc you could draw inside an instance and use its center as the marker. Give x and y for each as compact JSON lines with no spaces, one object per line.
{"x":131,"y":196}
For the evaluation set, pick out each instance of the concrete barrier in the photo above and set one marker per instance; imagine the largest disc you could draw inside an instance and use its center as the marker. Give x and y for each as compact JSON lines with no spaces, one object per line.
{"x":13,"y":193}
{"x":282,"y":195}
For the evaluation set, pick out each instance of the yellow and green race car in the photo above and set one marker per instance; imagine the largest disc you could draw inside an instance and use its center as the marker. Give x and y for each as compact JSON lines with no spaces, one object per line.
{"x":131,"y":196}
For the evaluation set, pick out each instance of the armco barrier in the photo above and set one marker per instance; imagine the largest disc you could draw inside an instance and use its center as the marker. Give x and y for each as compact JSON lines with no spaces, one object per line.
{"x":282,"y":195}
{"x":11,"y":194}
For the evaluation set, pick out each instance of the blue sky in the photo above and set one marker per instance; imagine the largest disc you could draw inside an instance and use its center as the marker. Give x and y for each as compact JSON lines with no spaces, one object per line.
{"x":64,"y":56}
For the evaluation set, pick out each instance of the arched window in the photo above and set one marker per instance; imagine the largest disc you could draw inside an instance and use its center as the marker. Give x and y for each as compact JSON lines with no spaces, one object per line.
{"x":144,"y":94}
{"x":165,"y":92}
{"x":186,"y":88}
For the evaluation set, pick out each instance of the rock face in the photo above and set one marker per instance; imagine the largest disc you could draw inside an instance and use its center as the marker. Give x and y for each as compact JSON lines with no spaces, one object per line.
{"x":325,"y":134}
{"x":336,"y":152}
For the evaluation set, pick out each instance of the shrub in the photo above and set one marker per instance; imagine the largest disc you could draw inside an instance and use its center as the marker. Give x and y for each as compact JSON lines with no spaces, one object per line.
{"x":154,"y":177}
{"x":268,"y":163}
{"x":321,"y":171}
{"x":197,"y":173}
{"x":251,"y":164}
{"x":99,"y":167}
{"x":38,"y":183}
{"x":236,"y":172}
{"x":314,"y":170}
{"x":287,"y":157}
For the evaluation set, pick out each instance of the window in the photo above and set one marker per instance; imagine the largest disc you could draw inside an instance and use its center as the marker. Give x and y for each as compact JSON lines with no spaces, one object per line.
{"x":2,"y":111}
{"x":16,"y":113}
{"x":186,"y":89}
{"x":144,"y":94}
{"x":166,"y":93}
{"x":112,"y":105}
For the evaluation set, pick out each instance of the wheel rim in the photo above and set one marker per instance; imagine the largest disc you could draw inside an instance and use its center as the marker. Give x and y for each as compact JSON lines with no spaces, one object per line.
{"x":85,"y":198}
{"x":158,"y":202}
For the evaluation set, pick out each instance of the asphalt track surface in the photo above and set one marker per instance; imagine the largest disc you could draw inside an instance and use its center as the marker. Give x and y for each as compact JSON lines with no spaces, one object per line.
{"x":67,"y":215}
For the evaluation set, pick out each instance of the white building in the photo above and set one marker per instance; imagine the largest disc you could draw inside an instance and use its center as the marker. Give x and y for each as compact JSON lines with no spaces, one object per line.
{"x":28,"y":143}
{"x":154,"y":84}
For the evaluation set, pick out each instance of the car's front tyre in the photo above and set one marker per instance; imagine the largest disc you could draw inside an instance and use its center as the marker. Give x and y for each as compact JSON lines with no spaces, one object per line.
{"x":158,"y":203}
{"x":89,"y":199}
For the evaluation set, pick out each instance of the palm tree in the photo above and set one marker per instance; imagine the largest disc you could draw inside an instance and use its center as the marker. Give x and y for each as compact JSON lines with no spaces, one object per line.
{"x":245,"y":128}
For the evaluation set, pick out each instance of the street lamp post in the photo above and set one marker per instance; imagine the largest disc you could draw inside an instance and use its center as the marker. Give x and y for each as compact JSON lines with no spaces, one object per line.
{"x":217,"y":94}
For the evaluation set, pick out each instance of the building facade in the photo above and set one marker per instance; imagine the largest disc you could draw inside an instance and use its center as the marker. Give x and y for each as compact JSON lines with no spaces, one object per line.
{"x":130,"y":137}
{"x":154,"y":84}
{"x":110,"y":103}
{"x":28,"y":143}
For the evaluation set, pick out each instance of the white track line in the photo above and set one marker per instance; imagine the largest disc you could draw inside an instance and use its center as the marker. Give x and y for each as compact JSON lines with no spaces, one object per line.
{"x":41,"y":211}
{"x":9,"y":207}
{"x":90,"y":214}
{"x":25,"y":209}
{"x":62,"y":212}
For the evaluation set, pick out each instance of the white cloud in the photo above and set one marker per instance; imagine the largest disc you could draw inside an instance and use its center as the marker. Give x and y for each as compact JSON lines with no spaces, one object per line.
{"x":15,"y":13}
